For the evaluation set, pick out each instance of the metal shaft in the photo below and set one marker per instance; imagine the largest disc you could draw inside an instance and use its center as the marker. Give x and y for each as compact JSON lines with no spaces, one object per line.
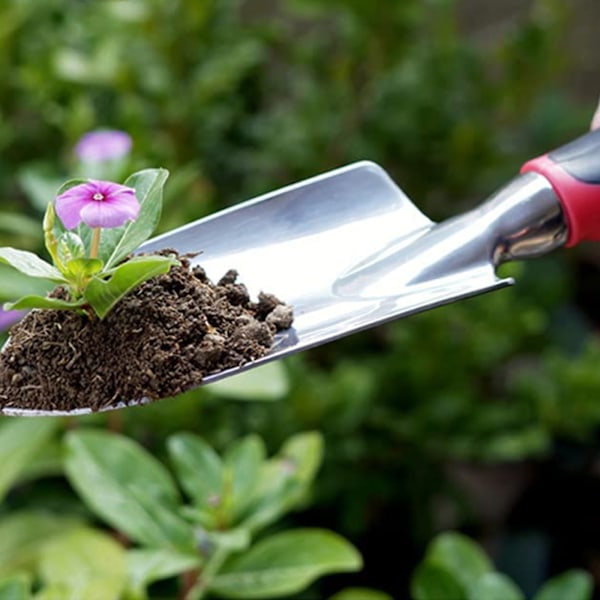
{"x":522,"y":220}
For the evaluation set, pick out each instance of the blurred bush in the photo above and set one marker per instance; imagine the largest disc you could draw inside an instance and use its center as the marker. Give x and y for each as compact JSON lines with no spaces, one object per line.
{"x":239,"y":97}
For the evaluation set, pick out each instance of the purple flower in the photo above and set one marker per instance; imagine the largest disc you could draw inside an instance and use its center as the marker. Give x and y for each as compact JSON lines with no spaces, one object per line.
{"x":9,"y":317}
{"x":97,"y":204}
{"x":99,"y":146}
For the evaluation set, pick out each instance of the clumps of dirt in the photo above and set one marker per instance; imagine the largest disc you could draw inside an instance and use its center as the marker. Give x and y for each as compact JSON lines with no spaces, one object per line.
{"x":160,"y":340}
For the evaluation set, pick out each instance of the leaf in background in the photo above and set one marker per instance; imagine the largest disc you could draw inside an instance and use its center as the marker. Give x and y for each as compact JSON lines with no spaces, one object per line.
{"x":208,"y":519}
{"x":232,"y":540}
{"x":198,"y":468}
{"x":50,"y":593}
{"x":20,"y":225}
{"x":360,"y":594}
{"x":305,"y":453}
{"x":23,"y":534}
{"x":44,"y":464}
{"x":266,"y":383}
{"x":285,"y":479}
{"x":40,"y":184}
{"x":30,"y":264}
{"x":285,"y":563}
{"x":432,"y":582}
{"x":273,"y":497}
{"x":103,"y":295}
{"x":85,"y":563}
{"x":495,"y":586}
{"x":460,"y":555}
{"x":242,"y":463}
{"x":147,"y":566}
{"x":572,"y":585}
{"x":118,"y":242}
{"x":15,"y":587}
{"x":127,"y":487}
{"x":43,"y":302}
{"x":21,"y":440}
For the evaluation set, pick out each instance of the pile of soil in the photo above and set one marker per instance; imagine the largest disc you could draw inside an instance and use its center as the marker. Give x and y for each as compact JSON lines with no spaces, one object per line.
{"x":160,"y":340}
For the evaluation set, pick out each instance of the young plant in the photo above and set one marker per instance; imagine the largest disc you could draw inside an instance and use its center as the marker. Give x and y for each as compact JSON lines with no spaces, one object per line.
{"x":90,"y":229}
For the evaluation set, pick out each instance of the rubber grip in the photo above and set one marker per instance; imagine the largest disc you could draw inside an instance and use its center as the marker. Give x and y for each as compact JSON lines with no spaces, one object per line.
{"x":574,"y":172}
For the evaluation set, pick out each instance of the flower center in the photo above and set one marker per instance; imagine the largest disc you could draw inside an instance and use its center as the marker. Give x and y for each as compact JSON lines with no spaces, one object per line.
{"x":98,"y":196}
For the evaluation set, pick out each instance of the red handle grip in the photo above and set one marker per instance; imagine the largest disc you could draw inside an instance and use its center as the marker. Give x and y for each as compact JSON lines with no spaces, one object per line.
{"x":574,"y":172}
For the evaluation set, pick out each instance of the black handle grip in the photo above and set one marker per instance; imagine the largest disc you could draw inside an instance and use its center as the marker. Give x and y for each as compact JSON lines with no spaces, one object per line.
{"x":580,"y":158}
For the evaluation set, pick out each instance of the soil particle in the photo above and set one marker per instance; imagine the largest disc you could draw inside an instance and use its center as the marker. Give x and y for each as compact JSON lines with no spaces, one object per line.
{"x":160,"y":340}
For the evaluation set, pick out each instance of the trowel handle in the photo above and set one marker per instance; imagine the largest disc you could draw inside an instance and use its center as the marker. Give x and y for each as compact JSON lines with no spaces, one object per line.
{"x":574,"y":172}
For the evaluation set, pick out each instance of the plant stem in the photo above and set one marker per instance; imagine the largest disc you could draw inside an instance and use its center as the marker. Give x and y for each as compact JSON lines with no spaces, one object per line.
{"x":95,"y":242}
{"x":212,"y":567}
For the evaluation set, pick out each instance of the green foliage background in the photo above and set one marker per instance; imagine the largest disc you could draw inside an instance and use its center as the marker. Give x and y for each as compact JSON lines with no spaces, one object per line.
{"x":237,"y":98}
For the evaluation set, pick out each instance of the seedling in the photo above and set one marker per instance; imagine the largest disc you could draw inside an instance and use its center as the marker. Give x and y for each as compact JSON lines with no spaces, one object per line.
{"x":90,"y":230}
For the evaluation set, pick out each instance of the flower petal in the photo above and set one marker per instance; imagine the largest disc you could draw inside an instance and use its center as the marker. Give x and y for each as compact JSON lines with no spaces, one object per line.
{"x":98,"y":146}
{"x":109,"y":188}
{"x":107,"y":213}
{"x":9,"y":317}
{"x":122,"y":196}
{"x":97,"y":204}
{"x":70,"y":204}
{"x":127,"y":203}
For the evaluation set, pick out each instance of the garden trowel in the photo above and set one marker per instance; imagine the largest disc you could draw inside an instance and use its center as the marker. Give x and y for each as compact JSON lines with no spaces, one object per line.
{"x":350,"y":251}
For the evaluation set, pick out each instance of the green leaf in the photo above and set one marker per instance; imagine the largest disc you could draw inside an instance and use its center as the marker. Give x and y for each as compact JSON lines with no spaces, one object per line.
{"x":285,"y":479}
{"x":21,"y":440}
{"x":43,"y":302}
{"x":149,"y":565}
{"x":85,"y":563}
{"x":462,"y":557}
{"x":266,"y":383}
{"x":50,"y":593}
{"x":304,"y":453}
{"x":30,"y":264}
{"x":208,"y":519}
{"x":39,"y":181}
{"x":118,"y":242}
{"x":80,"y":268}
{"x":571,"y":585}
{"x":198,"y":468}
{"x":23,"y":534}
{"x":285,"y":563}
{"x":51,"y":235}
{"x":15,"y":587}
{"x":232,"y":540}
{"x":433,"y":582}
{"x":360,"y":594}
{"x":103,"y":295}
{"x":69,"y":246}
{"x":126,"y":487}
{"x":19,"y":225}
{"x":495,"y":586}
{"x":44,"y":464}
{"x":15,"y":284}
{"x":67,"y":185}
{"x":242,"y":465}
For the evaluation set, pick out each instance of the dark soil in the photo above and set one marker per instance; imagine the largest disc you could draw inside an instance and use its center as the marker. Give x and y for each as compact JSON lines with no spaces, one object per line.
{"x":160,"y":340}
